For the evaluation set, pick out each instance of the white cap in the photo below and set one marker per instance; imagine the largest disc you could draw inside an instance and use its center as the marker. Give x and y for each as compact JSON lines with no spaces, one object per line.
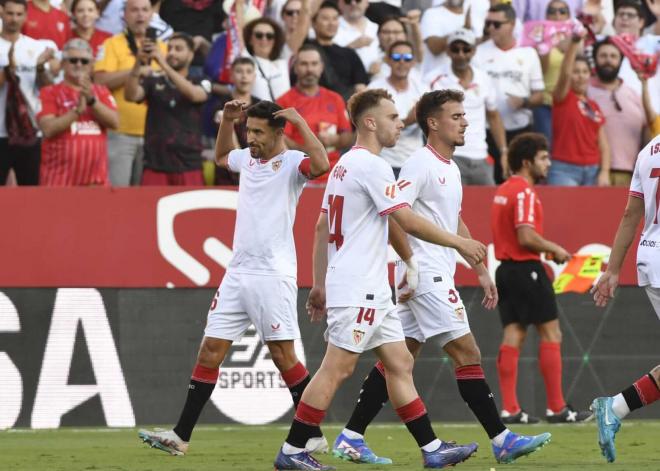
{"x":464,"y":35}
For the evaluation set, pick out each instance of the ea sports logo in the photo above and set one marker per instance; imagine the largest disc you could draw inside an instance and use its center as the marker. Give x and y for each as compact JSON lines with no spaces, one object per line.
{"x":250,"y":389}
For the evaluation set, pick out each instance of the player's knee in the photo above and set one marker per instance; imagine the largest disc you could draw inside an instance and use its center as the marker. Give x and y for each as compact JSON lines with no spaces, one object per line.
{"x":401,"y":366}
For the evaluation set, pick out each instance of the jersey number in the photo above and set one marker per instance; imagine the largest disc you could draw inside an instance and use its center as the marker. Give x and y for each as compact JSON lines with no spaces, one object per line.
{"x":335,"y":211}
{"x":655,"y":173}
{"x":367,"y":315}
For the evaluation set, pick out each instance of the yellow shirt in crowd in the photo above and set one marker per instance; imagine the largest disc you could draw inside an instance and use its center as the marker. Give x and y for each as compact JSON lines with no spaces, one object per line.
{"x":655,"y":127}
{"x":116,"y":56}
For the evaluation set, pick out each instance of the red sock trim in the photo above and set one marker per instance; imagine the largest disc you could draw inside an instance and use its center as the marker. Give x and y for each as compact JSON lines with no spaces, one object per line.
{"x":295,"y":375}
{"x":411,"y":411}
{"x":205,"y":375}
{"x":308,"y":415}
{"x":507,"y":372}
{"x":647,"y":389}
{"x":380,"y":367}
{"x":550,"y":364}
{"x":470,"y":372}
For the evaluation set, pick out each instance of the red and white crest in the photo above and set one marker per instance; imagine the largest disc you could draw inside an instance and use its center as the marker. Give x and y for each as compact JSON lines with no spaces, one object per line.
{"x":358,"y":335}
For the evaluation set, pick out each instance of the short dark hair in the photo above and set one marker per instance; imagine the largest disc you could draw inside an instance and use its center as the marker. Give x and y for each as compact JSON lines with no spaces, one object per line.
{"x":278,"y":42}
{"x":363,"y":101}
{"x":599,"y":44}
{"x":525,"y":146}
{"x":400,"y":43}
{"x":310,"y":47}
{"x":431,"y":102}
{"x":326,"y":4}
{"x":17,"y":2}
{"x":186,"y":38}
{"x":636,"y":4}
{"x":505,"y":8}
{"x":389,"y":18}
{"x":242,"y":61}
{"x":264,"y":109}
{"x":75,"y":3}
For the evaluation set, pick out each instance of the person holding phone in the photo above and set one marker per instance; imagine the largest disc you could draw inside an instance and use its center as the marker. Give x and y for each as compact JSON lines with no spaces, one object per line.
{"x":112,"y":69}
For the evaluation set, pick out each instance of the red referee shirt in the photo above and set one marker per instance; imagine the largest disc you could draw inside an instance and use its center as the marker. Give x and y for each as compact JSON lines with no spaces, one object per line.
{"x":515,"y":204}
{"x":79,"y":155}
{"x":324,"y":111}
{"x":53,"y":24}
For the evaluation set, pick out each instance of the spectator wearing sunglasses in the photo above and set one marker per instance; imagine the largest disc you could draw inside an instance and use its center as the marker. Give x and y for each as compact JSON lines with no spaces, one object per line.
{"x":532,"y":10}
{"x":75,"y":115}
{"x":358,"y":32}
{"x":394,"y":29}
{"x":581,"y":153}
{"x":516,"y":74}
{"x":480,"y":106}
{"x":406,"y":91}
{"x":296,"y":20}
{"x":625,"y":122}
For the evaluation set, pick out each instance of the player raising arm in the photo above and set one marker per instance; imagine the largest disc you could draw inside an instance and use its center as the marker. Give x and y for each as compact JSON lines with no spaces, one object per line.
{"x":643,"y":201}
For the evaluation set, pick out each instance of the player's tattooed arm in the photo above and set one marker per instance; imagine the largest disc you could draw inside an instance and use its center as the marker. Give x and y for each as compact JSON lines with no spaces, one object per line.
{"x":224,"y":142}
{"x":311,"y":145}
{"x":316,"y":300}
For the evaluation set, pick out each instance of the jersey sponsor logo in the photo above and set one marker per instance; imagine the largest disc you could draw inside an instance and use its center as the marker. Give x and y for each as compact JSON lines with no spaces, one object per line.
{"x":501,"y":200}
{"x":652,"y":244}
{"x":358,"y":335}
{"x":85,"y":128}
{"x":250,"y":389}
{"x":276,"y":165}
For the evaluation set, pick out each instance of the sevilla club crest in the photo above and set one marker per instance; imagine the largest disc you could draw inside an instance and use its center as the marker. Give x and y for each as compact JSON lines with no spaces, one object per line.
{"x":358,"y":335}
{"x":276,"y":165}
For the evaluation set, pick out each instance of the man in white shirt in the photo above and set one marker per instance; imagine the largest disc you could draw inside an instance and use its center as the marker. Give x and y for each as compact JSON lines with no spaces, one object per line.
{"x":480,"y":106}
{"x":516,"y":74}
{"x":28,"y":61}
{"x":358,"y":32}
{"x":405,"y":90}
{"x":643,"y":201}
{"x":259,"y":287}
{"x":351,"y":246}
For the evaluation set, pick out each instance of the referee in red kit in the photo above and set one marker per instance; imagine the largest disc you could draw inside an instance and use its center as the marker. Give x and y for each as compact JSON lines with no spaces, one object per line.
{"x":526,"y":294}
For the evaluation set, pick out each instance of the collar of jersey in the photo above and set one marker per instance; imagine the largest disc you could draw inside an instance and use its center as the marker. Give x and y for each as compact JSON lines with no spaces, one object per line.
{"x":438,"y":156}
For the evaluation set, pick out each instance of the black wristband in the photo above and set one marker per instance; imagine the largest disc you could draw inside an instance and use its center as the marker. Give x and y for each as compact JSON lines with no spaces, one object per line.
{"x":91,"y":101}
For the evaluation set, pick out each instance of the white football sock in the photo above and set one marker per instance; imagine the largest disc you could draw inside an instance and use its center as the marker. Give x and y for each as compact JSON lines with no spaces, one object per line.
{"x":620,"y":406}
{"x":351,"y":434}
{"x":291,"y":450}
{"x":499,"y":439}
{"x":434,"y":445}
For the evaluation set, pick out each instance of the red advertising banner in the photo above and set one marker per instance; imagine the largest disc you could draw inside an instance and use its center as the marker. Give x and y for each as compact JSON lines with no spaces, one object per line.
{"x":173,"y":237}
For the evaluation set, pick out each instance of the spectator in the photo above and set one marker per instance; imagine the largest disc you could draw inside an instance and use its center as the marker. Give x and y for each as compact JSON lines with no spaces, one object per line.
{"x":193,"y":17}
{"x":437,"y":24}
{"x":358,"y":32}
{"x":652,"y":118}
{"x":24,"y":66}
{"x":173,"y":137}
{"x":112,"y":18}
{"x":654,"y":28}
{"x":581,"y":153}
{"x":516,"y":74}
{"x":264,"y":40}
{"x":243,"y":74}
{"x":623,"y":110}
{"x":406,"y":91}
{"x":296,"y":19}
{"x":394,"y":29}
{"x":47,"y":22}
{"x":112,"y":69}
{"x":534,"y":10}
{"x":557,"y":10}
{"x":323,"y":110}
{"x":75,"y":114}
{"x":84,"y":14}
{"x":480,"y":106}
{"x":343,"y":70}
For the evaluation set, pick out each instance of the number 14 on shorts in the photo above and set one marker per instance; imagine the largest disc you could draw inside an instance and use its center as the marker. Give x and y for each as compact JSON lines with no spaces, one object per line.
{"x":367,"y":315}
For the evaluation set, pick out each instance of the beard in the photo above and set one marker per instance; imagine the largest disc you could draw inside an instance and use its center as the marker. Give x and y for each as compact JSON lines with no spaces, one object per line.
{"x":607,"y":73}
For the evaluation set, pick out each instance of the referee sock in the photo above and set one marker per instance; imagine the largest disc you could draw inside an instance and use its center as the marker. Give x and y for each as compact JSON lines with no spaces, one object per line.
{"x":296,"y":379}
{"x":305,"y":425}
{"x":202,"y":384}
{"x":550,"y":364}
{"x":507,"y":372}
{"x":373,"y":396}
{"x":641,"y":393}
{"x":417,"y":421}
{"x":476,"y":393}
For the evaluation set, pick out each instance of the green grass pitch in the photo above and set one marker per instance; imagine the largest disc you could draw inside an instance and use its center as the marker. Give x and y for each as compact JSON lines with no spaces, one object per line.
{"x":246,"y":448}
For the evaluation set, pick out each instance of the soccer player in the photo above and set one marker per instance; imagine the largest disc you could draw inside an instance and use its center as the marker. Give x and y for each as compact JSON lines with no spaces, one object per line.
{"x":644,"y":200}
{"x":526,"y":294}
{"x":430,"y":182}
{"x":259,"y":287}
{"x":351,"y":246}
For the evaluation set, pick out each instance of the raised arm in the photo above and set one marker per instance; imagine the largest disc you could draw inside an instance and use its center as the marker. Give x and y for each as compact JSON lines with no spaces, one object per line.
{"x":192,"y":92}
{"x":564,"y":81}
{"x":224,"y":142}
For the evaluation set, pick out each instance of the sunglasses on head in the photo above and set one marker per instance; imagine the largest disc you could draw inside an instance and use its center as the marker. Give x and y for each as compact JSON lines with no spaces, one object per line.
{"x":396,"y":57}
{"x":261,"y":35}
{"x":456,"y":48}
{"x":77,"y":60}
{"x":494,"y":23}
{"x":558,"y":11}
{"x":291,"y":12}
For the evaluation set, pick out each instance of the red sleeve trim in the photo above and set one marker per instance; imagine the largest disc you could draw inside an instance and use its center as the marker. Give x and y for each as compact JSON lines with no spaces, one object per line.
{"x":394,"y":208}
{"x":323,"y":210}
{"x":636,"y":194}
{"x":305,"y":167}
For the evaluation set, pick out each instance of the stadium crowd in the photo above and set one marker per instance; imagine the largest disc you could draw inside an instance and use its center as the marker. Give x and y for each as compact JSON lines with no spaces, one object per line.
{"x":130,"y":92}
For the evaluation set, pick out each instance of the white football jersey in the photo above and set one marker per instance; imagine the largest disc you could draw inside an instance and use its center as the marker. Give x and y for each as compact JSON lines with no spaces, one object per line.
{"x":431,"y":184}
{"x":360,"y":193}
{"x":268,"y":194}
{"x":646,"y":185}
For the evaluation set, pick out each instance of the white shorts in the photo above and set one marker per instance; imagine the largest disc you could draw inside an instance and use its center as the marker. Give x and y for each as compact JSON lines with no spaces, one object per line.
{"x":436,"y":313}
{"x":267,"y":302}
{"x":358,"y":329}
{"x":654,"y":296}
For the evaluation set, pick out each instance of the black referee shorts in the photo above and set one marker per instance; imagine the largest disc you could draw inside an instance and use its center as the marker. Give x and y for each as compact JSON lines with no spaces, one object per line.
{"x":526,"y":294}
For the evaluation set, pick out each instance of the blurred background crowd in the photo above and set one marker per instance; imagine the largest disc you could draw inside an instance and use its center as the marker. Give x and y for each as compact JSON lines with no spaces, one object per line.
{"x":130,"y":92}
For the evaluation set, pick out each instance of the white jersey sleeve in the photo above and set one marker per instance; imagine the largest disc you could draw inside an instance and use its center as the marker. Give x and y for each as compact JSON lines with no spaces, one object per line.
{"x":382,"y":188}
{"x":237,"y":158}
{"x":411,"y":181}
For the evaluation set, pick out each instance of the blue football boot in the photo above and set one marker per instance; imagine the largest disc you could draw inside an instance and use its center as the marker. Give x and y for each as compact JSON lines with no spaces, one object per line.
{"x":516,"y":446}
{"x":448,"y":454}
{"x":301,"y":460}
{"x":356,"y":450}
{"x":608,"y":425}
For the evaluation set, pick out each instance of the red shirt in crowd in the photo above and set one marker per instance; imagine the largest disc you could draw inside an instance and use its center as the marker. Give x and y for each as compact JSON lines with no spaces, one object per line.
{"x":79,"y":155}
{"x":52,"y":24}
{"x":515,"y":204}
{"x":96,"y":41}
{"x":575,"y":125}
{"x":324,"y":111}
